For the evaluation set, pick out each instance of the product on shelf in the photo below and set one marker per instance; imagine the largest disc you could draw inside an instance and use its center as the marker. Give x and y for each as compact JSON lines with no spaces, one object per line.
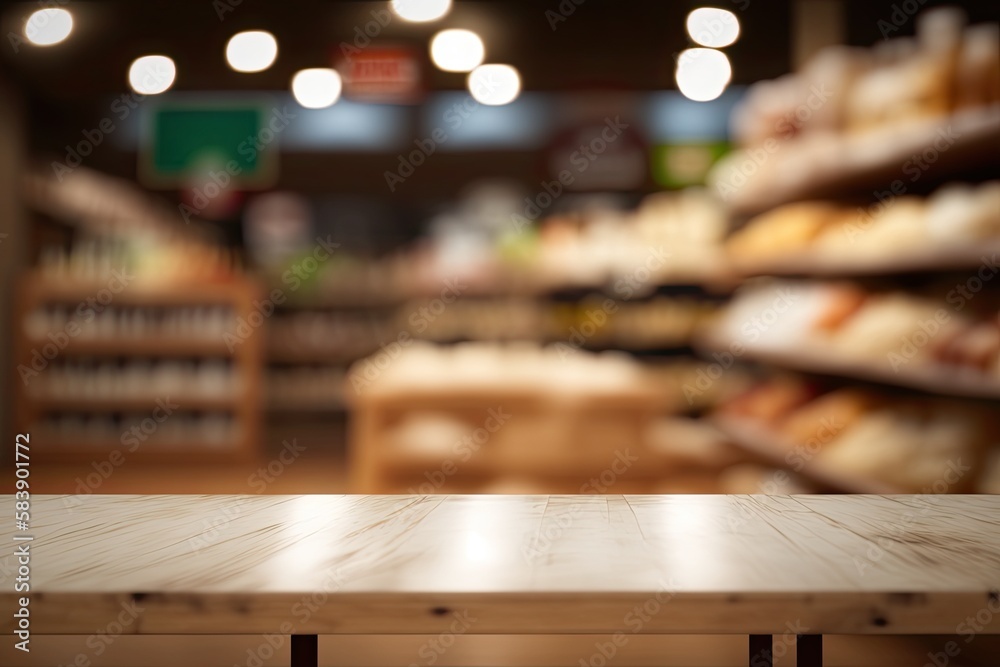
{"x":956,"y":216}
{"x":895,"y":334}
{"x":989,"y":478}
{"x":754,"y":478}
{"x":907,"y":444}
{"x":690,"y":442}
{"x":305,"y":387}
{"x":853,"y":113}
{"x":518,"y":410}
{"x":947,"y":67}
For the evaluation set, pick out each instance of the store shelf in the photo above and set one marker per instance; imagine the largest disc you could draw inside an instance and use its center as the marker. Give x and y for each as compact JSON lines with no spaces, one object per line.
{"x":41,"y":288}
{"x":929,"y":260}
{"x":940,"y":380}
{"x":185,"y":402}
{"x":298,"y":355}
{"x":35,"y":405}
{"x":873,"y":160}
{"x":536,"y":464}
{"x":308,"y":405}
{"x":140,"y":347}
{"x":86,"y":451}
{"x":759,"y":441}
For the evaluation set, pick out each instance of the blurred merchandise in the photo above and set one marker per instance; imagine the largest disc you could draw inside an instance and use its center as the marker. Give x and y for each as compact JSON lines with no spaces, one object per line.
{"x":853,"y":117}
{"x":953,"y":228}
{"x":859,"y":441}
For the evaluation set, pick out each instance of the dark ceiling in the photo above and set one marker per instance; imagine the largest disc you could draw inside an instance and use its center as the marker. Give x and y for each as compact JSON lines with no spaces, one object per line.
{"x":602,"y":45}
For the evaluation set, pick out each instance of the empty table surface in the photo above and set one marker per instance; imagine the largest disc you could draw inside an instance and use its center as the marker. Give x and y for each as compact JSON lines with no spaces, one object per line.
{"x":509,"y":564}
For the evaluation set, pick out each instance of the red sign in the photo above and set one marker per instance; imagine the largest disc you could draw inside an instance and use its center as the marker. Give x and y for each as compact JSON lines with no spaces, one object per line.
{"x":388,"y":75}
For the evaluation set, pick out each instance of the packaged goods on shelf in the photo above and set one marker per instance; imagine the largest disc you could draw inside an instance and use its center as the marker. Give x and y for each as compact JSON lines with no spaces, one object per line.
{"x":860,"y":440}
{"x":852,"y":118}
{"x":940,"y":341}
{"x":958,"y":223}
{"x":487,"y":411}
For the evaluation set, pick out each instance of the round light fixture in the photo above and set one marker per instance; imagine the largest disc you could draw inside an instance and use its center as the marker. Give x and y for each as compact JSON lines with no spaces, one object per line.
{"x":152,"y":75}
{"x":316,"y":88}
{"x":251,"y":51}
{"x":46,"y":27}
{"x":494,"y":85}
{"x":421,"y":11}
{"x":457,"y":50}
{"x":713,"y":27}
{"x":703,"y":74}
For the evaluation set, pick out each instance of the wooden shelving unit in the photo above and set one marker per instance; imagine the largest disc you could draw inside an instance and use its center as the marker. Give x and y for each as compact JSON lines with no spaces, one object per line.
{"x":927,"y":260}
{"x":937,"y":380}
{"x":760,"y":442}
{"x":559,"y":444}
{"x":243,"y":407}
{"x":855,"y":163}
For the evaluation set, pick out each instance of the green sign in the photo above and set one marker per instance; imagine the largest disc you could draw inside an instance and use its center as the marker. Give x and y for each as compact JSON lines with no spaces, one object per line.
{"x":681,"y":165}
{"x":186,"y":142}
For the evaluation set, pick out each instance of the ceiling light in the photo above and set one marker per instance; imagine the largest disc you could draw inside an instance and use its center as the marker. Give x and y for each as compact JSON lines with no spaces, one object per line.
{"x":46,"y":27}
{"x":703,"y":74}
{"x":251,"y":51}
{"x":713,"y":27}
{"x":420,"y":11}
{"x":494,"y":84}
{"x":152,"y":75}
{"x":316,"y":88}
{"x":457,"y":50}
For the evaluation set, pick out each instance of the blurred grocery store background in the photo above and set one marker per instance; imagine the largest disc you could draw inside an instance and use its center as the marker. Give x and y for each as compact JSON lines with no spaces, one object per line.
{"x":296,"y":247}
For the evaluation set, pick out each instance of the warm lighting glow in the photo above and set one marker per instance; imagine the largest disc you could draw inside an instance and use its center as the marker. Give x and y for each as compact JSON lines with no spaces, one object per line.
{"x":713,"y":27}
{"x":494,"y":84}
{"x":420,"y":11}
{"x":152,"y":75}
{"x":457,"y":50}
{"x":46,"y":27}
{"x":316,"y":88}
{"x":703,"y":74}
{"x":252,"y":51}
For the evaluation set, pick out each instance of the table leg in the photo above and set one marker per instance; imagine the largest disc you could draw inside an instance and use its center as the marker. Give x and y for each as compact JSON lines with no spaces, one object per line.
{"x":761,"y":651}
{"x":809,"y":650}
{"x":305,"y":651}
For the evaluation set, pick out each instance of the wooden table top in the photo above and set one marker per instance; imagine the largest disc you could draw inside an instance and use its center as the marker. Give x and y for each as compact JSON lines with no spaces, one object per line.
{"x":516,"y":564}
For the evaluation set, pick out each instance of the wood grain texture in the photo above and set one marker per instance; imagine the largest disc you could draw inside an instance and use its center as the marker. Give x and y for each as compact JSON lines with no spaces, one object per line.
{"x":511,"y":564}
